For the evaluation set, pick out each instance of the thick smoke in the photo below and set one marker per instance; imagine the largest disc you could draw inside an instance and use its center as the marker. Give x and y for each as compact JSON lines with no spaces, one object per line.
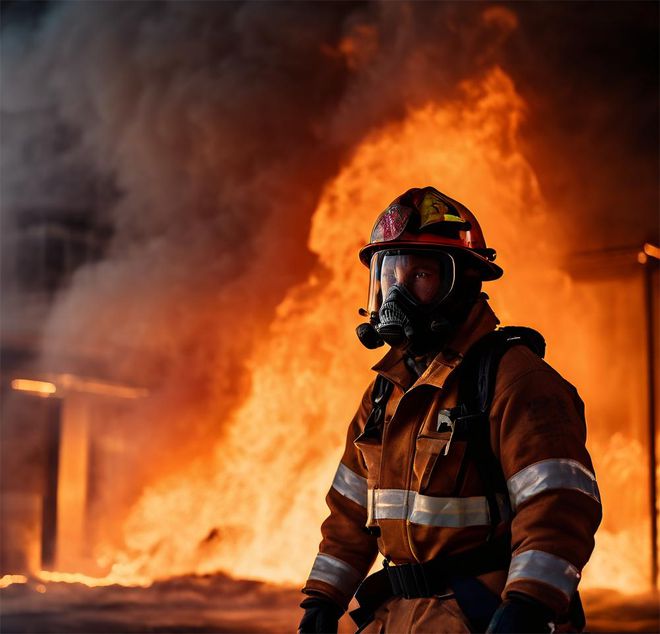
{"x":195,"y":139}
{"x":199,"y":136}
{"x":589,"y":73}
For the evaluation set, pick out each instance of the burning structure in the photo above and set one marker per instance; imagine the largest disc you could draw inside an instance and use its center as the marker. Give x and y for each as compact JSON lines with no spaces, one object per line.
{"x":185,"y":187}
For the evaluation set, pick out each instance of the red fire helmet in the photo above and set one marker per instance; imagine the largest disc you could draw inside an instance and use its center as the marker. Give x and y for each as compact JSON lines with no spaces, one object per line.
{"x":424,"y":218}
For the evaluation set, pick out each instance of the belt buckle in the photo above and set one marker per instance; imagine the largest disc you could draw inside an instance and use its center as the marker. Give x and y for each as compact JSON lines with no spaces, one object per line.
{"x":408,"y":580}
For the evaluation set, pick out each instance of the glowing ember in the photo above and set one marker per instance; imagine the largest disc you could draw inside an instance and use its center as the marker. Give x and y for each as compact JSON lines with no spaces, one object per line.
{"x":101,"y":388}
{"x":8,"y":580}
{"x":40,"y":388}
{"x":92,"y":582}
{"x":74,"y":577}
{"x":71,"y":383}
{"x":652,"y":250}
{"x":648,"y":251}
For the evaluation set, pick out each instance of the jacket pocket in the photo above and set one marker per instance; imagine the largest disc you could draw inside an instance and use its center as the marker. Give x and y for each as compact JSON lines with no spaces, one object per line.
{"x":371,"y":450}
{"x":438,"y":457}
{"x":427,"y":453}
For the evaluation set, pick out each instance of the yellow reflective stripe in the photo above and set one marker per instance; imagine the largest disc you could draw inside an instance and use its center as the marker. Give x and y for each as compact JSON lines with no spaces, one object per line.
{"x":337,"y":573}
{"x":546,"y":475}
{"x":538,"y":565}
{"x":350,"y":485}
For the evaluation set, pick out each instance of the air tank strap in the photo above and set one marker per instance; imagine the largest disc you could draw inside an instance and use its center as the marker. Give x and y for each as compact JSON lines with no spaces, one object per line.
{"x":373,"y":428}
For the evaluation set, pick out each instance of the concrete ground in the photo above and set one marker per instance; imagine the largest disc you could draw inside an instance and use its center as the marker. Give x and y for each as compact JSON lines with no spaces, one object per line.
{"x":216,"y":603}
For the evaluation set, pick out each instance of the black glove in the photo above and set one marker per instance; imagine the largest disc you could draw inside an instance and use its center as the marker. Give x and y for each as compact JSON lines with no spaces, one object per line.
{"x":520,"y":614}
{"x":321,"y":616}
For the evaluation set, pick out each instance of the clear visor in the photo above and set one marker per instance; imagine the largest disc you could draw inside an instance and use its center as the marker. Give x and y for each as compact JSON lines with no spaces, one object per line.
{"x":428,"y":276}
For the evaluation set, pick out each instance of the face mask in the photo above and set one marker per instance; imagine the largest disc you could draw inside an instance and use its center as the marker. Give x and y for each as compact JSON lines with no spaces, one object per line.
{"x":407,"y":292}
{"x":406,"y":324}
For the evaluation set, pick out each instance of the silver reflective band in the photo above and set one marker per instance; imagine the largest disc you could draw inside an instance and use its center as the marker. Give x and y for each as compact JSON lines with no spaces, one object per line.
{"x":337,"y":573}
{"x":559,"y":473}
{"x":453,"y":512}
{"x":397,"y":504}
{"x":549,"y":569}
{"x":390,"y":504}
{"x":350,"y":485}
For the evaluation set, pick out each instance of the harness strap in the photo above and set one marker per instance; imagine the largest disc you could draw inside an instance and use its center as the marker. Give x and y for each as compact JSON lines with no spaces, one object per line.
{"x":380,"y":394}
{"x":476,"y":389}
{"x":478,"y":371}
{"x":414,"y":580}
{"x":478,"y":450}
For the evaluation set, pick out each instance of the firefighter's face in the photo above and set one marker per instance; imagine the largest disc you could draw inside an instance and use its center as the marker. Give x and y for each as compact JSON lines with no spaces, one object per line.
{"x":421,"y":274}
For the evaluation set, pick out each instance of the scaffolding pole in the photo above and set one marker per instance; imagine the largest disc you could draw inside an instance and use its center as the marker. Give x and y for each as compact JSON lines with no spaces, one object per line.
{"x":649,"y":256}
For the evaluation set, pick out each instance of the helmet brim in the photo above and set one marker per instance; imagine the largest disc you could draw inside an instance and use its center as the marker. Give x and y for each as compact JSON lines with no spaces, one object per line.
{"x":489,"y":270}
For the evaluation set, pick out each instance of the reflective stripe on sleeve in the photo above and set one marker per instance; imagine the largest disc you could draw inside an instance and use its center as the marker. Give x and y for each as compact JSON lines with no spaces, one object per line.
{"x":549,"y":569}
{"x":350,"y":485}
{"x":560,"y":473}
{"x":337,"y":573}
{"x":398,"y":504}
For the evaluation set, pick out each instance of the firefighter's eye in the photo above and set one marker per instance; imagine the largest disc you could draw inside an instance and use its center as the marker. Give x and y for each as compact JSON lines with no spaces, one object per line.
{"x":422,"y":275}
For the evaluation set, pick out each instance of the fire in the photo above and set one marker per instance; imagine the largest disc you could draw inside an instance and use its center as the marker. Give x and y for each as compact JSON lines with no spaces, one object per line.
{"x":73,"y":577}
{"x":254,"y":512}
{"x":258,"y":514}
{"x":92,"y":582}
{"x":41,"y":388}
{"x":64,"y":383}
{"x":8,"y":580}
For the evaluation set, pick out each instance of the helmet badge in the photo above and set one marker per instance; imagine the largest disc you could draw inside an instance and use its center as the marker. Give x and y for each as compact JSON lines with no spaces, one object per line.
{"x":433,"y":209}
{"x":391,"y":224}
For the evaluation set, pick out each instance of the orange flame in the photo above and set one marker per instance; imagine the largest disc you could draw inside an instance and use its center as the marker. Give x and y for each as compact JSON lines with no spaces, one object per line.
{"x":40,"y":388}
{"x":255,"y":511}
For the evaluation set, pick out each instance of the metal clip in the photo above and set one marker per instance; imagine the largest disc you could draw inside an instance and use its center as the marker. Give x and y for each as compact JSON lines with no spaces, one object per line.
{"x":445,"y":423}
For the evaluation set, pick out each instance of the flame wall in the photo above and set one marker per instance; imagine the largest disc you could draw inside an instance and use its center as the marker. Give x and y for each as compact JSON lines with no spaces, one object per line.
{"x":240,"y":153}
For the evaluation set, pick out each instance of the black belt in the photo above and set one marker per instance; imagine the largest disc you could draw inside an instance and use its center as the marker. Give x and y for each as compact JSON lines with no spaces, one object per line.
{"x":415,"y":580}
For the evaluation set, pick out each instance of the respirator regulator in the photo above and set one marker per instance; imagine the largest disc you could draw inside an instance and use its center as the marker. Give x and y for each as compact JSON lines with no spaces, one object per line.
{"x":408,"y":290}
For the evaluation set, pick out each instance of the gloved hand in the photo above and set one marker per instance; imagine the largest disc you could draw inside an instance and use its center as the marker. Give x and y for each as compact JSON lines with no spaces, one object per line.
{"x":520,"y":614}
{"x":321,"y":616}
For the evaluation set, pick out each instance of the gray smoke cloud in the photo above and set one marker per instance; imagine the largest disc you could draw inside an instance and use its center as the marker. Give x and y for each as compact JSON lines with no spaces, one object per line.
{"x":192,"y":140}
{"x":589,"y":74}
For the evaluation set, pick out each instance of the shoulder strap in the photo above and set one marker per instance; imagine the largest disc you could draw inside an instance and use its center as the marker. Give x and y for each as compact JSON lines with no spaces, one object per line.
{"x":380,"y":394}
{"x":480,"y":365}
{"x":478,"y":372}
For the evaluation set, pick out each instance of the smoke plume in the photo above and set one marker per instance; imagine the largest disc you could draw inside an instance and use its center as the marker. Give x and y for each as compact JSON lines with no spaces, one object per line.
{"x":195,"y":140}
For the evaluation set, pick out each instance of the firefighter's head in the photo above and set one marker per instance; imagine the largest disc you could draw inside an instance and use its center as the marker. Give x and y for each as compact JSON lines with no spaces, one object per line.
{"x":427,"y":258}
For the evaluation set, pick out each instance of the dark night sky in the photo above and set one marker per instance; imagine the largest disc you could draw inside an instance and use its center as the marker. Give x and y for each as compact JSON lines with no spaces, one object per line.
{"x":589,"y":72}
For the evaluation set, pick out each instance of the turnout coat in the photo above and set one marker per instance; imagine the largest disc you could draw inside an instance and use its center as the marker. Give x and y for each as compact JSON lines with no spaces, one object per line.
{"x":422,"y":499}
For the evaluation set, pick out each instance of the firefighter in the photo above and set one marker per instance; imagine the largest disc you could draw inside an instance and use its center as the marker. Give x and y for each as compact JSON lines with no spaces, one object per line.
{"x":465,"y":465}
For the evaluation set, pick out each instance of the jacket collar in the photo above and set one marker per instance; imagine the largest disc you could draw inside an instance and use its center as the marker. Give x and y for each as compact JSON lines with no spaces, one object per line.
{"x":480,"y":321}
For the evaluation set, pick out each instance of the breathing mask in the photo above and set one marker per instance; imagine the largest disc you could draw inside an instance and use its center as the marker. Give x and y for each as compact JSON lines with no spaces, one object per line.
{"x":409,"y":303}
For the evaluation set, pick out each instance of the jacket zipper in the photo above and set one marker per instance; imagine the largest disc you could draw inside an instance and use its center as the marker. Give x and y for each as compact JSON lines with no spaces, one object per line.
{"x":411,"y":547}
{"x":413,"y":447}
{"x":412,"y":443}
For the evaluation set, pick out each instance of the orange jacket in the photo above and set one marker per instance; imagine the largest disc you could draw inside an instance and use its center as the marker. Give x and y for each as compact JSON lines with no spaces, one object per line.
{"x":408,"y":482}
